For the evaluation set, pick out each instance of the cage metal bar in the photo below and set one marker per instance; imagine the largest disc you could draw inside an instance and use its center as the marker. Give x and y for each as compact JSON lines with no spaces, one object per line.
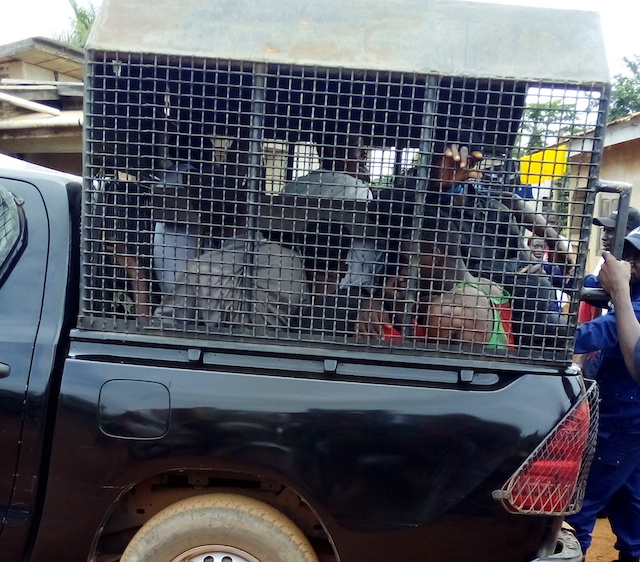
{"x":209,"y":102}
{"x":425,"y":164}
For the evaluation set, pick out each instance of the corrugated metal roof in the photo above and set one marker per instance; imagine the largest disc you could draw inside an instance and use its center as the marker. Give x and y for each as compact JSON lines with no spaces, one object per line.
{"x":630,"y":117}
{"x":445,"y":37}
{"x":33,"y":111}
{"x":46,"y":53}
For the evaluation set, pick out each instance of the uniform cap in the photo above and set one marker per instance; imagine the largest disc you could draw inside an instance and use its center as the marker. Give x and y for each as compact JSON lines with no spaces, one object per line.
{"x":633,"y":238}
{"x":633,"y":219}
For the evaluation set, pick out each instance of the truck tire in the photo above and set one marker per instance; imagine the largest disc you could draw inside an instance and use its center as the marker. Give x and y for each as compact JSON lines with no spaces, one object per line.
{"x":219,"y":528}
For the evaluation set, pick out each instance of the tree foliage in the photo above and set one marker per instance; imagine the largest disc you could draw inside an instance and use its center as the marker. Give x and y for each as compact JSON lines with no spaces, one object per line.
{"x":545,"y":124}
{"x":78,"y":33}
{"x":625,"y":92}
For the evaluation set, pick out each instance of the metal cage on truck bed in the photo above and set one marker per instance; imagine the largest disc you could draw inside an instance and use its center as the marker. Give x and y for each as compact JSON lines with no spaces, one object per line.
{"x":414,"y":176}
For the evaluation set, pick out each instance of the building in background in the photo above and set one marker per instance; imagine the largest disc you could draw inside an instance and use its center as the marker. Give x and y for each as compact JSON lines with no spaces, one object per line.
{"x":41,"y":103}
{"x":620,"y":163}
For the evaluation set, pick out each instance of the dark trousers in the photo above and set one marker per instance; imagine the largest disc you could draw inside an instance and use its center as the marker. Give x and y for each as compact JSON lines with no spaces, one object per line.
{"x":614,"y":483}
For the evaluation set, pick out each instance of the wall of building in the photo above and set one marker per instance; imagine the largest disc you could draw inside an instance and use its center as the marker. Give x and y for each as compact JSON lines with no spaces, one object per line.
{"x":620,"y":162}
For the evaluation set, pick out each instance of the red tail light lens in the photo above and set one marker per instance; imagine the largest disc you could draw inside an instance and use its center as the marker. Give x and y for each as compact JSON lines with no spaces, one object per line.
{"x":551,"y":481}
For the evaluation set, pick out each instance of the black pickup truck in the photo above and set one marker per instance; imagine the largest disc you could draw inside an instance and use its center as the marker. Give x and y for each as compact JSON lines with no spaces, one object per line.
{"x":191,"y":362}
{"x":282,"y":450}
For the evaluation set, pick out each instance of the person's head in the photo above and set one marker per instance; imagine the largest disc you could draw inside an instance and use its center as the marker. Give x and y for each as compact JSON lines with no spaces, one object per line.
{"x":552,"y":219}
{"x":324,"y":247}
{"x":631,"y":253}
{"x":237,"y":158}
{"x":226,"y":210}
{"x":343,"y":151}
{"x":608,"y":225}
{"x":440,"y":265}
{"x":537,"y":246}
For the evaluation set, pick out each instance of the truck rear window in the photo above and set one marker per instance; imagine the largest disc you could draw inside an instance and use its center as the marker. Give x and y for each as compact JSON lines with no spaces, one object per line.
{"x":12,"y":231}
{"x":235,"y":200}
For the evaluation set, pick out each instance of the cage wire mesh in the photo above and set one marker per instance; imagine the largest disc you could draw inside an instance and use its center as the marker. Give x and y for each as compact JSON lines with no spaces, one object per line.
{"x":336,"y":206}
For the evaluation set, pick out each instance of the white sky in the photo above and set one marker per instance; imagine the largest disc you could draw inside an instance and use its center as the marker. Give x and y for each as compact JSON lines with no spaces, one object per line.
{"x":620,"y":20}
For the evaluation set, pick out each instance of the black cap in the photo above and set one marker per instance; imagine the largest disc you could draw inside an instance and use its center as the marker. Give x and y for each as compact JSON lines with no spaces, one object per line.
{"x":633,"y":220}
{"x":633,"y":238}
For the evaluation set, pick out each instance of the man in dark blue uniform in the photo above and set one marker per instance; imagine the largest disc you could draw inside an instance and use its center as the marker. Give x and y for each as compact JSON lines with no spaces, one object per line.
{"x":614,"y":479}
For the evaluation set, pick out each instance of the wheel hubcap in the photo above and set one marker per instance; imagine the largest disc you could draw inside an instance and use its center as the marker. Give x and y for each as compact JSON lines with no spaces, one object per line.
{"x":215,"y":553}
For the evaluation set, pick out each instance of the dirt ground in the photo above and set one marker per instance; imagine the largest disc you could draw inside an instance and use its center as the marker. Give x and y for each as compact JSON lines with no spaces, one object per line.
{"x":601,"y":549}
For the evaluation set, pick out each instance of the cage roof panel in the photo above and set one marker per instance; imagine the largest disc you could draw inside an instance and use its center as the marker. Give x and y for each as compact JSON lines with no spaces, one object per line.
{"x":423,"y":36}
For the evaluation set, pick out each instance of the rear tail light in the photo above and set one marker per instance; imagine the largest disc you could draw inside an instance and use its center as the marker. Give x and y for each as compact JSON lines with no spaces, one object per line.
{"x":551,"y":481}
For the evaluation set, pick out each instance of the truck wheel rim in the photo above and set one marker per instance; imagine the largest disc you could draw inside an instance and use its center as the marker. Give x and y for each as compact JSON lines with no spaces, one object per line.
{"x":215,"y":553}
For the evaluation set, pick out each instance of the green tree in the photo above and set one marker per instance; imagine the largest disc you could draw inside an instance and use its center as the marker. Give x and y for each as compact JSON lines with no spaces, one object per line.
{"x":81,"y":24}
{"x":625,"y":91}
{"x":545,"y":124}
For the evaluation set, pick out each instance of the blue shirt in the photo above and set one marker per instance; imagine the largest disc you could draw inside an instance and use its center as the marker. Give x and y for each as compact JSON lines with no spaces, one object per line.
{"x":591,"y":281}
{"x":620,"y":394}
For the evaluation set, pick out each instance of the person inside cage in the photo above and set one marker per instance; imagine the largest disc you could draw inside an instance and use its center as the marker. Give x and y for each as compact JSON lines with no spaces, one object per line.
{"x":246,"y":283}
{"x":194,"y":175}
{"x":490,"y":225}
{"x":446,"y":291}
{"x":127,"y":257}
{"x":331,"y":309}
{"x":480,"y":211}
{"x":452,"y":305}
{"x":324,"y":247}
{"x":176,"y":241}
{"x":560,"y":277}
{"x":344,"y":170}
{"x":343,"y":175}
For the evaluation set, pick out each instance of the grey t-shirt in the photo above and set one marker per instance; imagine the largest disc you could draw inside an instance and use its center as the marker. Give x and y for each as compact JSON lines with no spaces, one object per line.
{"x":333,"y":185}
{"x":243,"y":284}
{"x":338,"y":185}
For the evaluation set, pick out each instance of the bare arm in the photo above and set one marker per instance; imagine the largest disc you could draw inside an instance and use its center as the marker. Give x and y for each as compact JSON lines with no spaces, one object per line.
{"x":614,"y":277}
{"x":373,"y":321}
{"x":139,"y":278}
{"x":528,"y":217}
